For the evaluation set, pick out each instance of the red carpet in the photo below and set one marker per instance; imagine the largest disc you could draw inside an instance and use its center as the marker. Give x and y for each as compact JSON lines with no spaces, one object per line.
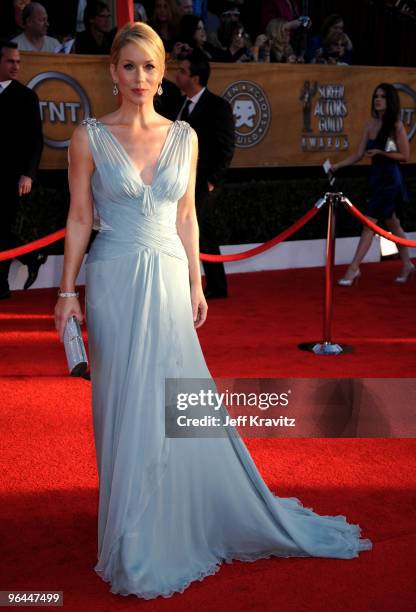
{"x":48,"y":476}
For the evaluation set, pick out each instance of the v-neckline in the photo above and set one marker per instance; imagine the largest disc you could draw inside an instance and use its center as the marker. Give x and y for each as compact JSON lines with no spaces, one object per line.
{"x":129,"y":159}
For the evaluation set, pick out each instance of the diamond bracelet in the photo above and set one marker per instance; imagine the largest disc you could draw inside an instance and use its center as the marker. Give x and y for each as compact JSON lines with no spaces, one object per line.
{"x":68,"y":294}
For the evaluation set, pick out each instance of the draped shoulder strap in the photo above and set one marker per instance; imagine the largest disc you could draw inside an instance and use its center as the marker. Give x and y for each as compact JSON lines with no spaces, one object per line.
{"x":179,"y":149}
{"x":103,"y":147}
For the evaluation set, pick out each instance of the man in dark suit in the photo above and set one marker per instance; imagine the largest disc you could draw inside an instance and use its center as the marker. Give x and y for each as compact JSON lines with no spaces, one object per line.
{"x":22,"y":143}
{"x":212,"y":119}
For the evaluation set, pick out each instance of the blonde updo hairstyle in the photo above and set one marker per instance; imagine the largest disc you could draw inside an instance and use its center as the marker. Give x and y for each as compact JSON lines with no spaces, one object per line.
{"x":142,"y":35}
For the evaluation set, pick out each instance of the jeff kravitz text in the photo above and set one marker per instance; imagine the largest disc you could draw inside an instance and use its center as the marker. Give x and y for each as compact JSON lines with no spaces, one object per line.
{"x":240,"y":421}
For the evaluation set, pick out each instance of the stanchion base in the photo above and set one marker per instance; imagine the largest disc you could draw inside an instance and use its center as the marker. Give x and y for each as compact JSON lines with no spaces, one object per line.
{"x":325,"y":348}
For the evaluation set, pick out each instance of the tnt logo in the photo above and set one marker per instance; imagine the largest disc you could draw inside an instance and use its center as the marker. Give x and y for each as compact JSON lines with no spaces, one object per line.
{"x":63,"y":104}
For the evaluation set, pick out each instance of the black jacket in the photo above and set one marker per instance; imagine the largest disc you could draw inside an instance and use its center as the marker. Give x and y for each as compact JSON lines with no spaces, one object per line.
{"x":171,"y":99}
{"x":213,"y":121}
{"x":21,"y":130}
{"x":86,"y":43}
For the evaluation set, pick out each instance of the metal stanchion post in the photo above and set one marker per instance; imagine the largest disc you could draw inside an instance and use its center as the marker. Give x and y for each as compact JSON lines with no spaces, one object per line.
{"x":327,"y":347}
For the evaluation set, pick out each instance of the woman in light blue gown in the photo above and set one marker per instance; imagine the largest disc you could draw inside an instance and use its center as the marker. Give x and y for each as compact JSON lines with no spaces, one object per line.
{"x":171,"y":510}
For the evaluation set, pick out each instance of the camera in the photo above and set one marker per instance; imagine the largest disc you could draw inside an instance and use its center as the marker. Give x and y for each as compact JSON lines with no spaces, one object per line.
{"x":305,"y":21}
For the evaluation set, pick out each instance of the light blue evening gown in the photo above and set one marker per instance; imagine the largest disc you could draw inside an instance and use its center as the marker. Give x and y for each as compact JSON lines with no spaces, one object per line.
{"x":170,"y":509}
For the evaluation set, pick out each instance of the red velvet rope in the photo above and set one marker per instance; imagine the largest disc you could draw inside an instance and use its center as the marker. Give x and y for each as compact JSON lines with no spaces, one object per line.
{"x":42,"y":242}
{"x":32,"y":246}
{"x":397,"y":239}
{"x":266,"y":245}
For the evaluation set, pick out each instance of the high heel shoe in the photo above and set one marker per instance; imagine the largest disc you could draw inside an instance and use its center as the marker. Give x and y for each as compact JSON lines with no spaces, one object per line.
{"x":409,"y":272}
{"x":347,"y":282}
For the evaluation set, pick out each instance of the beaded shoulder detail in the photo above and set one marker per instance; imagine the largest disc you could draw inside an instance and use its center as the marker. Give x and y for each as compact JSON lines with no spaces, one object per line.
{"x":91,"y":121}
{"x":183,"y":124}
{"x":94,"y":123}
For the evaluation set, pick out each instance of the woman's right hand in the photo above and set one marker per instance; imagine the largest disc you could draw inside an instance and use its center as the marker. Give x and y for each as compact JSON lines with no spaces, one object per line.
{"x":180,"y":48}
{"x":66,"y":308}
{"x":261,"y":40}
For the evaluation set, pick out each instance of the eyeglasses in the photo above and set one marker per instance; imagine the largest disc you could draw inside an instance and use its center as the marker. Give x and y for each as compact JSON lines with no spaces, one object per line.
{"x":104,"y":16}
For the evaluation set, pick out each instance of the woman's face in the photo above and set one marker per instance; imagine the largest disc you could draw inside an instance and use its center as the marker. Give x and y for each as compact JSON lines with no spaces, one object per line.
{"x":162,"y":10}
{"x":102,"y":21}
{"x":137,"y":74}
{"x":337,"y":28}
{"x":380,"y":100}
{"x":238,"y":39}
{"x":337,"y":49}
{"x":200,"y":35}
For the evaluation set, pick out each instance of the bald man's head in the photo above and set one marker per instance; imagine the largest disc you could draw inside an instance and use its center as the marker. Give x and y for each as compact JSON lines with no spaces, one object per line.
{"x":35,"y":19}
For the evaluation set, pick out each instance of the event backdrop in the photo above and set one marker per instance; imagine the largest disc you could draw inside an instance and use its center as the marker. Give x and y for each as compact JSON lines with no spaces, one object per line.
{"x":285,"y":115}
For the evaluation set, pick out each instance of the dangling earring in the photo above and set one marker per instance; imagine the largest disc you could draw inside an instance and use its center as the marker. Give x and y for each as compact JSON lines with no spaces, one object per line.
{"x":160,"y":90}
{"x":115,"y":89}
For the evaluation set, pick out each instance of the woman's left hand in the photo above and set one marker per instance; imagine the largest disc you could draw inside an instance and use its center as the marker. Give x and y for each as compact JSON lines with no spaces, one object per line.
{"x":199,"y":306}
{"x":372,"y":152}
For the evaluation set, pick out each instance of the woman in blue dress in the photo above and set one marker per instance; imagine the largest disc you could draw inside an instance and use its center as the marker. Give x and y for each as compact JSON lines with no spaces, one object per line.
{"x":385,"y":141}
{"x":171,"y":510}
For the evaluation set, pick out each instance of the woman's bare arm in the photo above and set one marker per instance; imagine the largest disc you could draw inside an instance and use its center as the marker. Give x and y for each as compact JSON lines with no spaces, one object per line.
{"x":78,"y":226}
{"x":186,"y":220}
{"x":187,"y":226}
{"x":403,"y":148}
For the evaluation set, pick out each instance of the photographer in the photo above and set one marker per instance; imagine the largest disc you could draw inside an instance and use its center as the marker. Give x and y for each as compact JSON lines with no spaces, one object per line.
{"x":278,"y":32}
{"x":333,"y":50}
{"x":192,"y":35}
{"x":333,"y":24}
{"x":236,"y":43}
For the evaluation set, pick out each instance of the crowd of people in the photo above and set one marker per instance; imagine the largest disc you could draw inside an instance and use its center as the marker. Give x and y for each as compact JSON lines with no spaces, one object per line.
{"x":222,"y":29}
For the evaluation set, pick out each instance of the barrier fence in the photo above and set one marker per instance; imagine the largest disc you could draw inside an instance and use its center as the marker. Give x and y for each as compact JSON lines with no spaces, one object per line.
{"x":51,"y":238}
{"x":332,"y":200}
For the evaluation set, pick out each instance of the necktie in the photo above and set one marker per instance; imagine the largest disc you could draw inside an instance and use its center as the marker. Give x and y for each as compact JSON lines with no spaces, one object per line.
{"x":185,"y":110}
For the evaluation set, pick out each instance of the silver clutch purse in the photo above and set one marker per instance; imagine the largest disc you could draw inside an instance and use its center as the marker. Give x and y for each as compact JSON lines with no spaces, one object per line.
{"x":76,"y":354}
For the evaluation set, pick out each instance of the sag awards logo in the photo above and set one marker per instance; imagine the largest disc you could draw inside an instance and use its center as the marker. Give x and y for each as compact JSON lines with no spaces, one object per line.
{"x":324,"y":111}
{"x":251,"y":110}
{"x":330,"y":110}
{"x":60,"y":114}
